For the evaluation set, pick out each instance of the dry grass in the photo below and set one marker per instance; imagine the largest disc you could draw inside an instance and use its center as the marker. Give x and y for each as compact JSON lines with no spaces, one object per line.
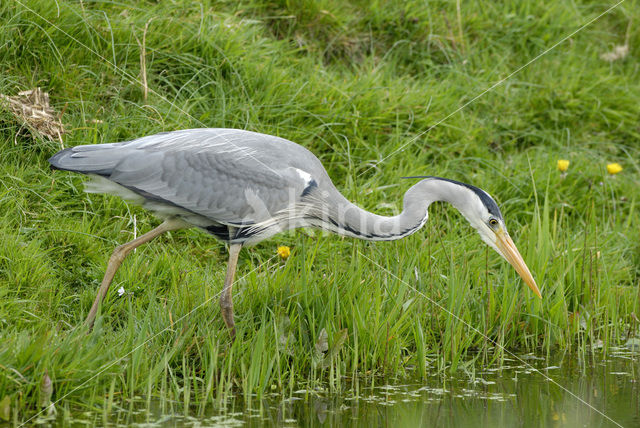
{"x":32,"y":109}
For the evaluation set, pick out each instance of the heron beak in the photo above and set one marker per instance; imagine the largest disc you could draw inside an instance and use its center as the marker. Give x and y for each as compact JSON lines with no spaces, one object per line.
{"x":512,"y":255}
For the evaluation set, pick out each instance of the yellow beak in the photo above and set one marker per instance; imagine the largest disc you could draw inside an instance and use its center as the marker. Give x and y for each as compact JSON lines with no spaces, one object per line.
{"x":512,"y":255}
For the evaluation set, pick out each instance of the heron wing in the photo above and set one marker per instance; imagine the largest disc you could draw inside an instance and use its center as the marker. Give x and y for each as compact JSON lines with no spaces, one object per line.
{"x":230,"y":176}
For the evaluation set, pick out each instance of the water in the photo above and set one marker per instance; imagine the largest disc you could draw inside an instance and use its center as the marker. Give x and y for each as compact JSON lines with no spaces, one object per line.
{"x":567,"y":392}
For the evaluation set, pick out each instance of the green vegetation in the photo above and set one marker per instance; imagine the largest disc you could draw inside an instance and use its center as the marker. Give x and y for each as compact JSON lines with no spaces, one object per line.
{"x":358,"y":84}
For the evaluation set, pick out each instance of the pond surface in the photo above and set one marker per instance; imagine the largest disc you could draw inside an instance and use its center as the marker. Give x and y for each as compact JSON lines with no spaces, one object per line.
{"x":532,"y":392}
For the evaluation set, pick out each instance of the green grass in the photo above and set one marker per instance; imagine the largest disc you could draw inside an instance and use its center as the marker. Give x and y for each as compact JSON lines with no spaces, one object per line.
{"x":358,"y":84}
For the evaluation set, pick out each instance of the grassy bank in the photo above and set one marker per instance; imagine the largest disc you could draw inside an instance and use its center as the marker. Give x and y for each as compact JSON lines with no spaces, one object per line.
{"x":358,"y":85}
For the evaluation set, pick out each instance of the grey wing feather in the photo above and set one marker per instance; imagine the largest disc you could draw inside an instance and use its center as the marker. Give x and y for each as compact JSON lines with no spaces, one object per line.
{"x":230,"y":176}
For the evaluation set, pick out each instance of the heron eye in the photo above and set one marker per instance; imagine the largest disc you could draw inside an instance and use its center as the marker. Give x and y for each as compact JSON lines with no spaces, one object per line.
{"x":493,"y":222}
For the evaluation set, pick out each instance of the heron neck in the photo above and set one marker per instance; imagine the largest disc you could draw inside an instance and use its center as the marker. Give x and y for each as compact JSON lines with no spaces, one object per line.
{"x":353,"y":221}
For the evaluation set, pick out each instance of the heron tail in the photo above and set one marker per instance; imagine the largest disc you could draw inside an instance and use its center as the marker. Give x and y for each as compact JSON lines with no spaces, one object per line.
{"x":91,"y":159}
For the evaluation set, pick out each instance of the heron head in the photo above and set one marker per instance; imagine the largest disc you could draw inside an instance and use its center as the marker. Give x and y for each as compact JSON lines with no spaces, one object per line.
{"x":479,"y":208}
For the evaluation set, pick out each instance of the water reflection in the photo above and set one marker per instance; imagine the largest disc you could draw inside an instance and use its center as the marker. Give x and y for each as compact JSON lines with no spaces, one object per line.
{"x":568,"y":393}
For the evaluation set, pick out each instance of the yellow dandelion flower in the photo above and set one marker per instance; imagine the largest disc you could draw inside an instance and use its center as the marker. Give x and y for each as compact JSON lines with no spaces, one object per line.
{"x":284,"y":251}
{"x":614,"y":168}
{"x":563,"y":165}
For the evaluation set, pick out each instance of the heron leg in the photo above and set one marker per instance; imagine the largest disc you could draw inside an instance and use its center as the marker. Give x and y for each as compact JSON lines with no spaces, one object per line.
{"x":226,"y":302}
{"x":118,"y":256}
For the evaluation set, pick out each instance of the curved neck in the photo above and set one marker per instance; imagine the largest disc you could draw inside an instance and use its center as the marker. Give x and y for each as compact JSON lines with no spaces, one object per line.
{"x":353,"y":221}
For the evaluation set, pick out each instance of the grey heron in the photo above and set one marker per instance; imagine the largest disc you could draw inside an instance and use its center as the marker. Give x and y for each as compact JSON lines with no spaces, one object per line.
{"x":243,"y":187}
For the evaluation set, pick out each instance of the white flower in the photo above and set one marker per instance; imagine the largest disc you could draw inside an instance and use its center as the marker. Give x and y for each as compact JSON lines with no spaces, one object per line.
{"x":121,"y":291}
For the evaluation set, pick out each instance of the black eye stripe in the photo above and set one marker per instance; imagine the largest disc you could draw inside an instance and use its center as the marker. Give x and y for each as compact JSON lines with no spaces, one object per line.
{"x":486,"y":200}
